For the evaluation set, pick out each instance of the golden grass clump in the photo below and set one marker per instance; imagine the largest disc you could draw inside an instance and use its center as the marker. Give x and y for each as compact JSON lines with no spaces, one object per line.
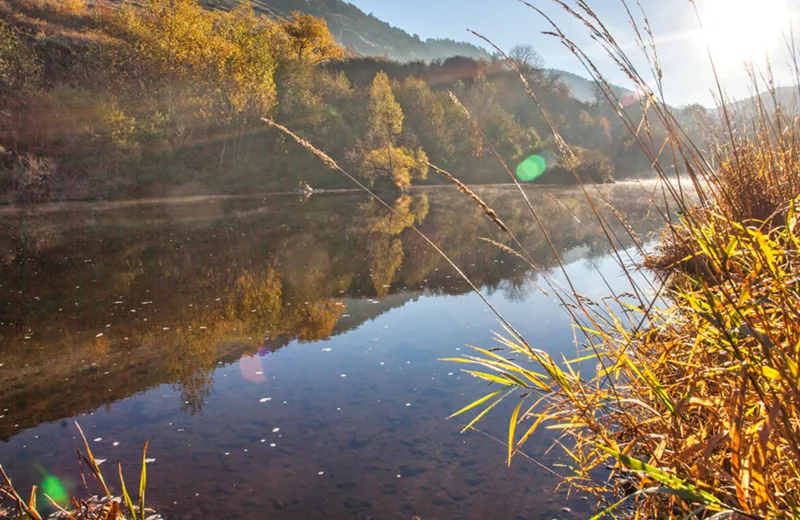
{"x":756,"y":178}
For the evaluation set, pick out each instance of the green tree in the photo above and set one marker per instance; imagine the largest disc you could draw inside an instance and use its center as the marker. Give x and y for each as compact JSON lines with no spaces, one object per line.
{"x":426,"y":121}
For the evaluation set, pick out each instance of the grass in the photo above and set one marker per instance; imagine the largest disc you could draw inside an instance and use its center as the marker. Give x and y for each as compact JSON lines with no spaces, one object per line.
{"x":688,"y":385}
{"x":692,"y":388}
{"x":109,"y":507}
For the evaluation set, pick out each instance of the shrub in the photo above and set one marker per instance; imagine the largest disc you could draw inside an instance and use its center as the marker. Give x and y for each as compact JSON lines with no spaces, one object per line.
{"x":31,"y":176}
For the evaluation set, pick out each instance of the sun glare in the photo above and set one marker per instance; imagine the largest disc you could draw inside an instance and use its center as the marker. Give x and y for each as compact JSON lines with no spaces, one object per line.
{"x":738,"y":30}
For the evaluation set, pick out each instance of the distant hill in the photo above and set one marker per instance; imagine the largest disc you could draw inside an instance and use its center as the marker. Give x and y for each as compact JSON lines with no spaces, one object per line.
{"x":788,"y":99}
{"x":582,"y":89}
{"x":365,"y":34}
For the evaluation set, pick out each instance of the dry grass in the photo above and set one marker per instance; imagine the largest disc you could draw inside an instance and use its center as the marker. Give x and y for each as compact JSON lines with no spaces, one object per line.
{"x":696,"y":402}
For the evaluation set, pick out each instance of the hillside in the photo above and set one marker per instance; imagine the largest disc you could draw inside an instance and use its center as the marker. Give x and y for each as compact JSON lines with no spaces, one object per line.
{"x":365,"y":34}
{"x":583,"y":89}
{"x":102,"y":102}
{"x":786,"y":98}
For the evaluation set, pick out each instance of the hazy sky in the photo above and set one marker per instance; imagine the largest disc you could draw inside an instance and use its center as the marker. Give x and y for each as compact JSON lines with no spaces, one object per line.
{"x":737,"y":30}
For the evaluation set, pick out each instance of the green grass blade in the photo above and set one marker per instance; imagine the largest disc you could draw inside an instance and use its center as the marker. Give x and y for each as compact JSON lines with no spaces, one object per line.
{"x":143,"y":480}
{"x":512,"y":429}
{"x":476,"y":403}
{"x":125,"y":495}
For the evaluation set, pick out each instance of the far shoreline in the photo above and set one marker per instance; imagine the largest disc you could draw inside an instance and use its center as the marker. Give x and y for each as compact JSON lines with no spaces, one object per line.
{"x":102,"y":204}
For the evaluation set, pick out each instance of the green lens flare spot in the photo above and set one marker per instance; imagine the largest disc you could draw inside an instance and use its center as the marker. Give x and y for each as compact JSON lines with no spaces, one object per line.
{"x":55,"y":490}
{"x":531,"y":168}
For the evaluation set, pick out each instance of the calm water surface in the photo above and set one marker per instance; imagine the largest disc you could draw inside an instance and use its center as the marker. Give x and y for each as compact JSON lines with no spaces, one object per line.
{"x":281,"y":355}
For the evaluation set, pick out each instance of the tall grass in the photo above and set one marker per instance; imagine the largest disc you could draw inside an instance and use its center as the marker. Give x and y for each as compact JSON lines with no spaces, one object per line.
{"x":687,"y":385}
{"x":695,"y":393}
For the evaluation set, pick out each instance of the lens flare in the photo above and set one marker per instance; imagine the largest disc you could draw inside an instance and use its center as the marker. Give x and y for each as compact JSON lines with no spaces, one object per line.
{"x":252,"y":369}
{"x":53,"y":488}
{"x":531,"y":168}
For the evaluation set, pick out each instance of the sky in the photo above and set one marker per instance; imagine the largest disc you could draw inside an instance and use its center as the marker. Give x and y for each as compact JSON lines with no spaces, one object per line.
{"x":736,"y":32}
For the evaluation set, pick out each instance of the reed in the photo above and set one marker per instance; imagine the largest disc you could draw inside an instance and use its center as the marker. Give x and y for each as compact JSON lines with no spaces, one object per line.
{"x":105,"y":507}
{"x":695,"y":395}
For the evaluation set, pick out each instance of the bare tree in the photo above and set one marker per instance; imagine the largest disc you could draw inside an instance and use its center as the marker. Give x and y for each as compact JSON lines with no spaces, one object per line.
{"x":526,"y":58}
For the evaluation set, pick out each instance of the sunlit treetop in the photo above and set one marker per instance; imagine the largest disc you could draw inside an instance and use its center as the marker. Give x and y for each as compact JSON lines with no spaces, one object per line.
{"x":310,"y":39}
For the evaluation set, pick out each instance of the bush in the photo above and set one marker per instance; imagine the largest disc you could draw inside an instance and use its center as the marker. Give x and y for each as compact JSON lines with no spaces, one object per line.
{"x":30,"y":178}
{"x":19,"y":67}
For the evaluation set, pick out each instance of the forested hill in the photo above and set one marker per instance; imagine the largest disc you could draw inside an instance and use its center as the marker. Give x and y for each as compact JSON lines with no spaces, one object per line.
{"x":102,"y":99}
{"x":365,"y":34}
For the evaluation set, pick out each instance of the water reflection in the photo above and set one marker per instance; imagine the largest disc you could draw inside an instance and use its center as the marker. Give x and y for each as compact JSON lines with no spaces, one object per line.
{"x":185,"y":306}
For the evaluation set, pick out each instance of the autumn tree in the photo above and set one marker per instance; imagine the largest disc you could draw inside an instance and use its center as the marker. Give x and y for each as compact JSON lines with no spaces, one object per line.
{"x":244,"y":66}
{"x":309,"y":39}
{"x":220,"y":60}
{"x":379,"y":157}
{"x":385,"y":116}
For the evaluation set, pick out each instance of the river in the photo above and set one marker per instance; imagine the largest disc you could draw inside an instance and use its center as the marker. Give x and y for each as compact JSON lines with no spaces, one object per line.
{"x":281,"y":354}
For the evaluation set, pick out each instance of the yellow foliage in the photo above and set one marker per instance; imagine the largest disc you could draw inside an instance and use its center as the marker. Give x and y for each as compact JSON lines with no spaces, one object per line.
{"x":226,"y":56}
{"x":384,"y":112}
{"x":400,"y":165}
{"x":309,"y":39}
{"x":385,"y":258}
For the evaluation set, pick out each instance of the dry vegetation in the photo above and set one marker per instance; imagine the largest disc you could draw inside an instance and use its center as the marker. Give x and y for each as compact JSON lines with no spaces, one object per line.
{"x":689,"y":383}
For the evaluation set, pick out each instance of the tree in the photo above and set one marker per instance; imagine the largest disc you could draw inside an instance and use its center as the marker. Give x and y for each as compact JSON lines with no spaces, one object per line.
{"x":244,"y":65}
{"x":425,"y":118}
{"x":399,"y":165}
{"x":309,"y":38}
{"x":380,"y":158}
{"x":385,"y":116}
{"x":526,"y":58}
